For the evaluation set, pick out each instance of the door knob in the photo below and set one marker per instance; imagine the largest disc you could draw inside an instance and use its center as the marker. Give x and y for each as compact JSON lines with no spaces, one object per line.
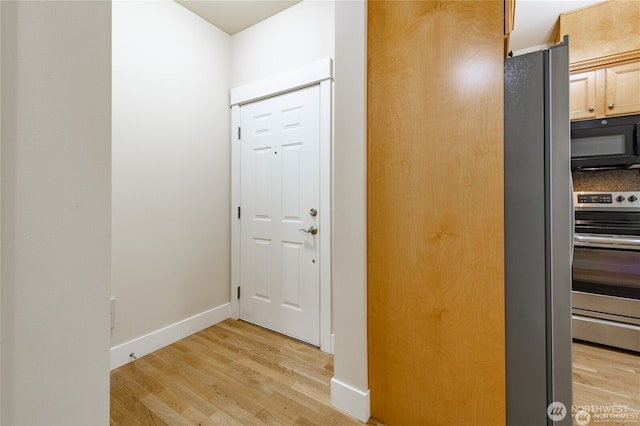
{"x":611,"y":105}
{"x":312,"y":230}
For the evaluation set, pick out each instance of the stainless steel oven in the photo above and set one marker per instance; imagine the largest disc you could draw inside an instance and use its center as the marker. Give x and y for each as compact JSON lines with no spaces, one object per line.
{"x":606,"y":269}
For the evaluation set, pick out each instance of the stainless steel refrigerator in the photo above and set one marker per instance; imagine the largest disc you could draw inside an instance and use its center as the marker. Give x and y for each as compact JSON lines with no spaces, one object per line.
{"x":538,"y":238}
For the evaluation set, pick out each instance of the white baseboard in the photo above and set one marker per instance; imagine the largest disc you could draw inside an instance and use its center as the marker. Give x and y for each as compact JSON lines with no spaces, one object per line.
{"x":352,"y":401}
{"x":158,"y":339}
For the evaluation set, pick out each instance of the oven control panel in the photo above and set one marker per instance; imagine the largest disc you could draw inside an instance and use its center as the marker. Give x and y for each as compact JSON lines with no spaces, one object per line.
{"x":606,"y":200}
{"x":595,"y":198}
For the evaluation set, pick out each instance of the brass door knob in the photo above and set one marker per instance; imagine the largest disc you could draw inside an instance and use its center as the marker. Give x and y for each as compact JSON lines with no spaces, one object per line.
{"x":312,"y":230}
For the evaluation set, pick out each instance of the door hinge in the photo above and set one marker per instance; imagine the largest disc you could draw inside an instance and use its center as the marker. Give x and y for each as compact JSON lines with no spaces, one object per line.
{"x":238,"y":212}
{"x":238,"y":292}
{"x":239,"y":133}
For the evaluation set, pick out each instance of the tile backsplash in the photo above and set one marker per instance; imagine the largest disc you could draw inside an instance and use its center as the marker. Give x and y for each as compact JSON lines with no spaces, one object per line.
{"x":607,"y":180}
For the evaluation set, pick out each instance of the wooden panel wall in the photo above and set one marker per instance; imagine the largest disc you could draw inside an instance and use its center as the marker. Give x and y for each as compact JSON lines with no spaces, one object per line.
{"x":435,"y":212}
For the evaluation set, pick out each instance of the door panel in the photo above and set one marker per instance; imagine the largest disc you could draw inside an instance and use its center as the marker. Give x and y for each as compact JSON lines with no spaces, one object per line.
{"x":582,"y":97}
{"x":622,"y":94}
{"x":279,"y":267}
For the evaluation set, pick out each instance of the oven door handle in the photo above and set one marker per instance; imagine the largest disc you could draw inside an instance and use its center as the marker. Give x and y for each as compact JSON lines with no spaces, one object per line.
{"x":608,"y":240}
{"x":573,"y":216}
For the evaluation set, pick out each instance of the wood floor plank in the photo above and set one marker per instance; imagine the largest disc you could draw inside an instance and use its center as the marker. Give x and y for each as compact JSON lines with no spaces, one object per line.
{"x":604,"y":377}
{"x":289,"y":347}
{"x":238,"y":374}
{"x":245,"y":389}
{"x":234,"y":373}
{"x":217,"y":388}
{"x":223,"y":419}
{"x":195,"y":417}
{"x":201,"y":398}
{"x":288,"y":372}
{"x":134,"y":411}
{"x":268,"y":367}
{"x":163,"y":411}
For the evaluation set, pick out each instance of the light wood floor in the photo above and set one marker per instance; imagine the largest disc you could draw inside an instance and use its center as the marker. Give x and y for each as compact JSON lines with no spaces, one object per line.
{"x":604,"y":377}
{"x":235,"y":373}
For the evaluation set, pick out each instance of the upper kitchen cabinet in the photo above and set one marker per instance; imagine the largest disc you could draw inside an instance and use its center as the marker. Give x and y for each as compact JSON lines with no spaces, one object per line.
{"x":606,"y":92}
{"x":622,"y":89}
{"x":604,"y":48}
{"x":603,"y":33}
{"x":509,"y":19}
{"x":582,"y":95}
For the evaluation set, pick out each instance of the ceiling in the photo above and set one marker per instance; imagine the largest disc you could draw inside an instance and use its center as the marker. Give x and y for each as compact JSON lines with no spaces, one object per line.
{"x":233,"y":16}
{"x":535,"y":20}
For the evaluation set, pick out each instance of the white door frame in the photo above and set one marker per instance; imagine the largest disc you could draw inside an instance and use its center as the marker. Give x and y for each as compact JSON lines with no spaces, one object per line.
{"x":320,"y":72}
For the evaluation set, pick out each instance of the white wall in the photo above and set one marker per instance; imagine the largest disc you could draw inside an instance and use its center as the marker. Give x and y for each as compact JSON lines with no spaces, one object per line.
{"x":170,"y":182}
{"x":56,"y":135}
{"x":295,"y":37}
{"x":0,"y":218}
{"x":349,"y":390}
{"x":171,"y":167}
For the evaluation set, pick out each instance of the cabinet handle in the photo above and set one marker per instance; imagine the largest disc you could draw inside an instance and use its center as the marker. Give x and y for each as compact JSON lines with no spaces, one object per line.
{"x":611,"y":105}
{"x":592,"y":108}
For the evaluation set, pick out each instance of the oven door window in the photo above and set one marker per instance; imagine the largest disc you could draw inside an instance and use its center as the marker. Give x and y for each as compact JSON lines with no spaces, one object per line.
{"x":607,"y":271}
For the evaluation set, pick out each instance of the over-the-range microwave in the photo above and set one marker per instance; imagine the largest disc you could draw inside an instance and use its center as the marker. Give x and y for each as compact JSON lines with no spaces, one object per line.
{"x":607,"y":143}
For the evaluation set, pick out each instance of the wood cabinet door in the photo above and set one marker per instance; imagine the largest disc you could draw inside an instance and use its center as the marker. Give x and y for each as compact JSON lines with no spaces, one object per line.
{"x":582,"y":95}
{"x":622,"y":93}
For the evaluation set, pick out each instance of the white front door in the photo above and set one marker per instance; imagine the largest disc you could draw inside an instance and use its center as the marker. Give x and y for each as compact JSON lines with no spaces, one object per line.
{"x":279,"y":256}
